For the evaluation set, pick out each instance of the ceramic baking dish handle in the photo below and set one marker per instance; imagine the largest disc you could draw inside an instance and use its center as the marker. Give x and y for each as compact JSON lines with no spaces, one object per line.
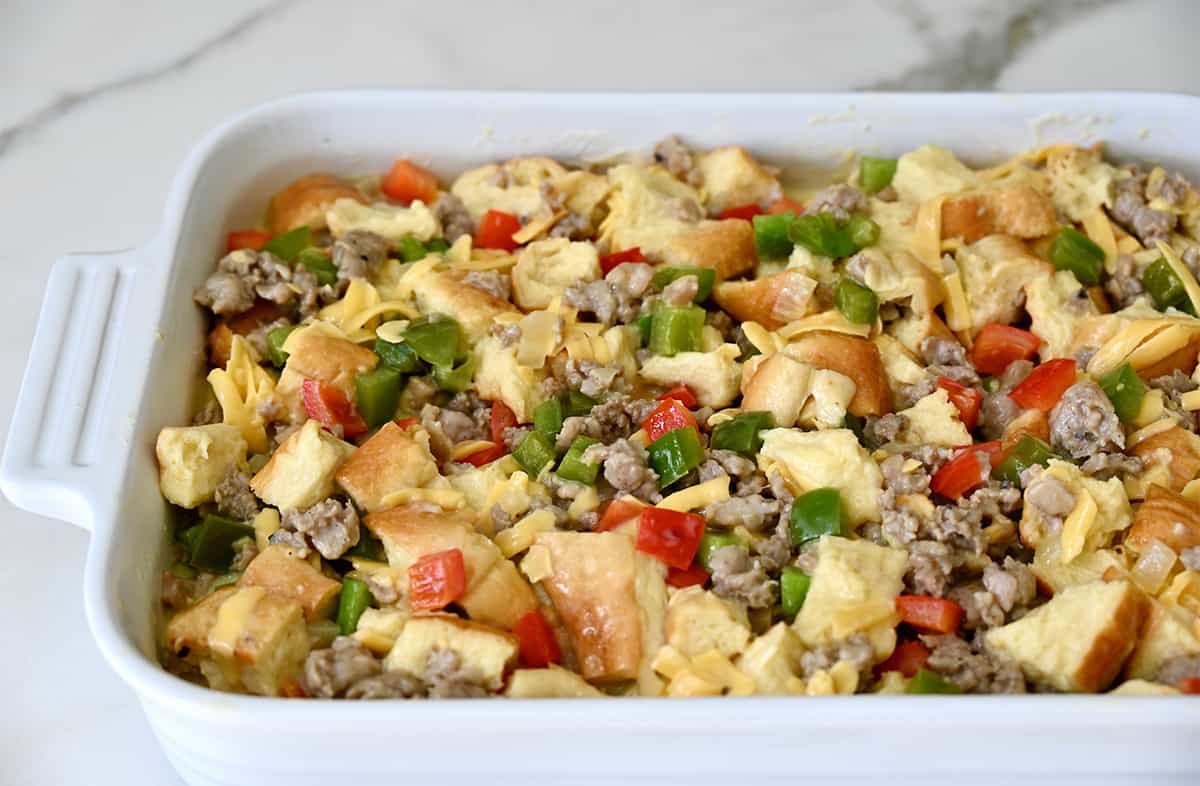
{"x":56,"y":463}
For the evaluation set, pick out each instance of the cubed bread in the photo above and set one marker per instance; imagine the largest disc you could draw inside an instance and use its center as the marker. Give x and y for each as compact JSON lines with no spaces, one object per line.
{"x":593,"y":591}
{"x":829,"y":394}
{"x":496,"y":594}
{"x":725,"y":246}
{"x":276,"y":570}
{"x":1169,"y":632}
{"x":304,"y":202}
{"x":549,"y":683}
{"x":243,"y":639}
{"x":1183,"y":448}
{"x":854,"y":588}
{"x":192,"y":460}
{"x":314,"y":354}
{"x":773,"y":661}
{"x":546,"y":268}
{"x":481,"y":649}
{"x":1056,"y":305}
{"x":772,"y":301}
{"x":300,"y":472}
{"x":1053,"y":575}
{"x":779,"y":385}
{"x":1016,"y":210}
{"x":1143,"y":688}
{"x":394,"y":222}
{"x":1080,"y":638}
{"x":513,"y":186}
{"x":1101,"y":509}
{"x":898,"y":276}
{"x":442,"y":292}
{"x":933,"y":420}
{"x":930,"y":171}
{"x":1168,"y":517}
{"x":391,"y":460}
{"x":733,"y":178}
{"x":712,"y":376}
{"x":994,"y":273}
{"x":832,"y":458}
{"x":500,"y":377}
{"x":856,"y":358}
{"x":698,"y":621}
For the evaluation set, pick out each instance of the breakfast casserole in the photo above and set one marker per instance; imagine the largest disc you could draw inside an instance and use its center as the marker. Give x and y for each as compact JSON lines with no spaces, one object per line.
{"x":670,"y":425}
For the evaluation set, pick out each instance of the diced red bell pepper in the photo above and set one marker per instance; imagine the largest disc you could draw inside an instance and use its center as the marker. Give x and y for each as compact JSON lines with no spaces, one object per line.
{"x":695,"y":576}
{"x":538,"y":647}
{"x":1189,"y":685}
{"x":683,"y":394}
{"x":670,"y":535}
{"x":502,"y":419}
{"x":436,"y":580}
{"x":929,"y":613}
{"x":246,"y":238}
{"x":408,"y":182}
{"x":406,"y":422}
{"x":330,"y":406}
{"x":993,"y":449}
{"x":908,"y":658}
{"x":496,"y":230}
{"x":485,"y":456}
{"x":785,"y":205}
{"x":668,"y":416}
{"x":1045,"y":385}
{"x":961,"y":474}
{"x":610,"y":261}
{"x":965,"y":399}
{"x":744,"y":212}
{"x":618,"y":512}
{"x":998,"y":345}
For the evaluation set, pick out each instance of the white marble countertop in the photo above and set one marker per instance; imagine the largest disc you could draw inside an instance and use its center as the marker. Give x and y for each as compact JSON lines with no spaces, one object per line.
{"x":100,"y":102}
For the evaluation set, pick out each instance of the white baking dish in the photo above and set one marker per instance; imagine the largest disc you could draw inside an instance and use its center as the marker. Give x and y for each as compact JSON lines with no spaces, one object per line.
{"x":117,"y":355}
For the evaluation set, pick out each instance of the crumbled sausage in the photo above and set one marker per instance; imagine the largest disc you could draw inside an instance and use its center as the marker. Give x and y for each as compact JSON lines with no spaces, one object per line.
{"x":490,"y":281}
{"x":453,"y":215}
{"x":754,"y":512}
{"x":359,"y":253}
{"x":1084,"y":422}
{"x":930,"y":565}
{"x":856,"y":650}
{"x":1131,"y":211}
{"x":1011,"y":584}
{"x":615,"y":299}
{"x":447,"y":679}
{"x":972,"y":669}
{"x":244,"y":275}
{"x":1173,"y":386}
{"x":329,"y":672}
{"x":626,"y":468}
{"x":1125,"y":284}
{"x":879,"y":431}
{"x":681,"y":292}
{"x":234,"y":497}
{"x":738,"y":576}
{"x":678,"y":159}
{"x":1181,"y":667}
{"x":388,"y":685}
{"x":616,"y":417}
{"x":1048,"y":495}
{"x":995,"y":413}
{"x":591,"y":378}
{"x":840,"y":200}
{"x":509,"y":335}
{"x":1103,"y":466}
{"x":331,"y":526}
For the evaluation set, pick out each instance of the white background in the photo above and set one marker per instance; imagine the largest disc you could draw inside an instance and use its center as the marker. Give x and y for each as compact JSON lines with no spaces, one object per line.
{"x":100,"y":102}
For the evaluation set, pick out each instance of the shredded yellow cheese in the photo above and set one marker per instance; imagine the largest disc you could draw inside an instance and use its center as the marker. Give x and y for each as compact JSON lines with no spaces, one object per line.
{"x":225,"y":633}
{"x":521,"y":535}
{"x":831,"y":320}
{"x":927,"y":233}
{"x":1077,"y":525}
{"x":697,"y":496}
{"x":1098,"y":229}
{"x":239,"y":388}
{"x":447,"y":499}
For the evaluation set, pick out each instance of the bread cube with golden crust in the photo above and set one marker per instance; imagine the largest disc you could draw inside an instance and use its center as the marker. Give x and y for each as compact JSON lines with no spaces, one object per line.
{"x":192,"y":460}
{"x":733,"y":178}
{"x":276,"y":570}
{"x":854,"y":357}
{"x":698,"y":621}
{"x":300,"y":472}
{"x":549,"y":683}
{"x":393,"y":459}
{"x":481,"y":649}
{"x":304,"y":202}
{"x":772,"y":301}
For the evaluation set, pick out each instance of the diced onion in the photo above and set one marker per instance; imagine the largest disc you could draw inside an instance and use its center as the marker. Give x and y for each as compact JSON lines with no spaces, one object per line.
{"x":1153,"y":567}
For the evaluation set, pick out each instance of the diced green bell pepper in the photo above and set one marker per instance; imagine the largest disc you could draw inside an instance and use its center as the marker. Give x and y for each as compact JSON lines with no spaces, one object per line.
{"x":455,"y":379}
{"x":674,"y":454}
{"x":368,"y":547}
{"x":741,"y":432}
{"x":548,"y":418}
{"x":377,"y":394}
{"x":1029,"y":451}
{"x":438,"y":245}
{"x":710,"y":541}
{"x":1074,"y":251}
{"x":1125,"y":390}
{"x":275,"y":340}
{"x":674,"y":330}
{"x":771,"y":237}
{"x":354,"y":600}
{"x":1165,"y":288}
{"x":856,"y":423}
{"x":319,"y":265}
{"x":578,"y":404}
{"x":225,"y":580}
{"x":705,"y":278}
{"x":821,"y":234}
{"x":863,"y":232}
{"x":793,"y":589}
{"x":573,"y":467}
{"x":399,"y":356}
{"x":289,"y":245}
{"x":211,"y":543}
{"x":857,"y":303}
{"x":412,"y":249}
{"x":817,"y":513}
{"x":434,"y":339}
{"x":929,"y":682}
{"x":642,"y":324}
{"x":875,"y":174}
{"x":534,"y":453}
